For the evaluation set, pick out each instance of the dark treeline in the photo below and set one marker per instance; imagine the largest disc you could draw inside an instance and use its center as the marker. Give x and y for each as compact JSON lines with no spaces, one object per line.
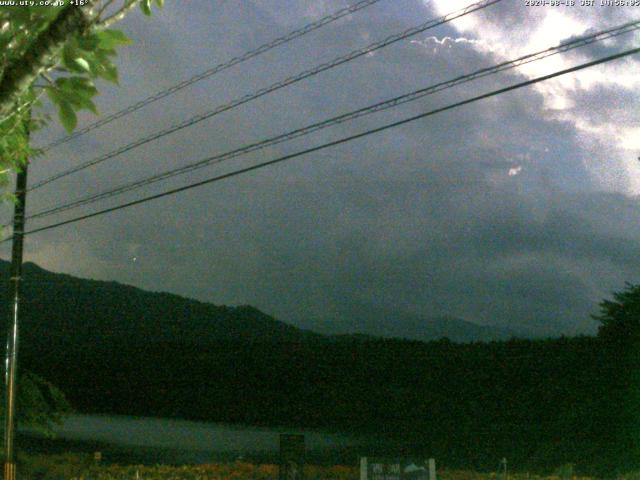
{"x":540,"y":403}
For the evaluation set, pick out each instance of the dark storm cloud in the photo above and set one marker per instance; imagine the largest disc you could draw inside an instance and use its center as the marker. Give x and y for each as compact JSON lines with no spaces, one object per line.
{"x":488,"y":212}
{"x":595,"y":50}
{"x":606,"y":105}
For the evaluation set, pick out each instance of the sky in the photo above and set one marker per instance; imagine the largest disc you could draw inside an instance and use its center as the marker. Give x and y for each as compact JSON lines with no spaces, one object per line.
{"x":521,"y":210}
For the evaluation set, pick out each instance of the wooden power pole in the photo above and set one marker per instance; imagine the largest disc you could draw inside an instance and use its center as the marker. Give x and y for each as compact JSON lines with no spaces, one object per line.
{"x":11,"y":363}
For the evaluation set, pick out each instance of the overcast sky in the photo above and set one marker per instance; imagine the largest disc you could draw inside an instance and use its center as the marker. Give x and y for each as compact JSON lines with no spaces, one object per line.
{"x":521,"y":210}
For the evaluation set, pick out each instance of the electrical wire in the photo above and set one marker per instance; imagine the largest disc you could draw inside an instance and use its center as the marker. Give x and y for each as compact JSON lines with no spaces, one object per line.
{"x":337,"y":142}
{"x":310,"y":27}
{"x":399,"y":100}
{"x":272,"y":88}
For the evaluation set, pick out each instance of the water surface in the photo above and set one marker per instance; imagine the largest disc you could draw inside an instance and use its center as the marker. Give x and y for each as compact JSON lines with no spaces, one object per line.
{"x":158,"y":440}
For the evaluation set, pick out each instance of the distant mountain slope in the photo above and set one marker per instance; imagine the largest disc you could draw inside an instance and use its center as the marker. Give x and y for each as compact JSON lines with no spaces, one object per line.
{"x":115,"y":349}
{"x":397,"y":324}
{"x":63,"y":308}
{"x":433,"y":328}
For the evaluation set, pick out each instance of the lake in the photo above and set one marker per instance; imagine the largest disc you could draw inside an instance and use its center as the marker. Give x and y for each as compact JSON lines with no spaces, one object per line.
{"x":155,"y":440}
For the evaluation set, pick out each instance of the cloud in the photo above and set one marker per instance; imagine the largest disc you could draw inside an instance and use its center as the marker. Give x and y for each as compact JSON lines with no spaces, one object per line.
{"x":541,"y":28}
{"x":505,"y":211}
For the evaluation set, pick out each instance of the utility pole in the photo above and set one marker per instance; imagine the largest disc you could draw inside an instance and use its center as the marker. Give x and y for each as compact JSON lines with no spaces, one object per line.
{"x":12,"y":330}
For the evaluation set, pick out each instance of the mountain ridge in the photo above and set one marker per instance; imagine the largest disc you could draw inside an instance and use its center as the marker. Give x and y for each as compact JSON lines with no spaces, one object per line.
{"x":119,"y":350}
{"x":119,"y":310}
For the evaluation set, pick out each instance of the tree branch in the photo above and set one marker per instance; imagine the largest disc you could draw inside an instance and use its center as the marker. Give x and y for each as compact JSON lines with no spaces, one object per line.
{"x":104,"y":7}
{"x":20,"y":74}
{"x":119,"y":15}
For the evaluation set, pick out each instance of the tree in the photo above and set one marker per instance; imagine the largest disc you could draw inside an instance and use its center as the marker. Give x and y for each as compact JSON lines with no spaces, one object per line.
{"x":620,"y":318}
{"x":620,"y":332}
{"x":41,"y":405}
{"x":58,"y":50}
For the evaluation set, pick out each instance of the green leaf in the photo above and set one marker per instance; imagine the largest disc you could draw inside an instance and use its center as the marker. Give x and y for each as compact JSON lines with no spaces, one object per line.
{"x":21,"y":15}
{"x":83,"y":85}
{"x":145,"y":6}
{"x":68,"y":116}
{"x":79,"y":102}
{"x":69,"y":53}
{"x":110,"y":39}
{"x":103,"y":67}
{"x":71,"y":88}
{"x":82,"y":64}
{"x":45,"y":12}
{"x":160,"y":3}
{"x":88,"y":42}
{"x":71,"y":94}
{"x":54,"y":95}
{"x":109,"y":72}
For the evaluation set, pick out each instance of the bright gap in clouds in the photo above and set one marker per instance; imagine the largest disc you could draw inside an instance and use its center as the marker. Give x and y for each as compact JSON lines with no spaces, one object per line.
{"x":541,"y":28}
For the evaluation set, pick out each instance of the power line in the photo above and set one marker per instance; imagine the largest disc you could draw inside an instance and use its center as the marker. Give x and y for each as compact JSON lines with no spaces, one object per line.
{"x":409,"y":97}
{"x":310,"y":27}
{"x":337,"y":142}
{"x":274,"y":87}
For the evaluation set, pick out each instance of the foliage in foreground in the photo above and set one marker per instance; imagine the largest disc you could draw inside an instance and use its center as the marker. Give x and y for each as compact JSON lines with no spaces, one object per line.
{"x":58,"y":50}
{"x":40,"y":404}
{"x":539,"y":403}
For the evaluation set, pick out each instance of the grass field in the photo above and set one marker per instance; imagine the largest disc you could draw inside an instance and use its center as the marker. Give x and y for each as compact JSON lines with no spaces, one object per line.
{"x":79,"y":467}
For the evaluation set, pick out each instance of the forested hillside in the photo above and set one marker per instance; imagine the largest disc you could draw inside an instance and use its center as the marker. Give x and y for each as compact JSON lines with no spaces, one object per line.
{"x":540,"y":403}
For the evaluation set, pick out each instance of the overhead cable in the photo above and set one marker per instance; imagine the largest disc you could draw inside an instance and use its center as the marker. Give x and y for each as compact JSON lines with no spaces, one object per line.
{"x":272,"y":88}
{"x":377,"y":107}
{"x":335,"y":142}
{"x":310,"y":27}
